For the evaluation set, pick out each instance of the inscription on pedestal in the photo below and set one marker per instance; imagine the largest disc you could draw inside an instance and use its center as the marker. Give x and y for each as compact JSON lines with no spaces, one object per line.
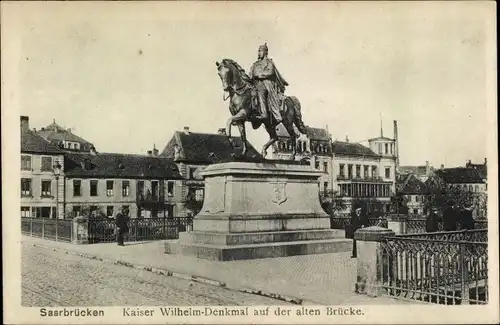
{"x":216,"y":203}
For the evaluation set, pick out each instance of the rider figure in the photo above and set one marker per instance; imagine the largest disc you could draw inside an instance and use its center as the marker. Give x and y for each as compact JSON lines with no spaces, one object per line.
{"x":269,"y":83}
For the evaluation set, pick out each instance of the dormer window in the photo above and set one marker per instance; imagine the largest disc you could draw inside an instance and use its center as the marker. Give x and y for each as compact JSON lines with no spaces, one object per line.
{"x":121,"y":166}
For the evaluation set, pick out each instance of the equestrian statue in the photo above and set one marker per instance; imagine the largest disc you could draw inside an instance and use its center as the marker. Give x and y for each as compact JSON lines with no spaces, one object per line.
{"x":259,"y":98}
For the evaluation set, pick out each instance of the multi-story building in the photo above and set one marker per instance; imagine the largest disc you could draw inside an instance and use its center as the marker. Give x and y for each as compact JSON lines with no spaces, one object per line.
{"x":414,"y":191}
{"x":192,"y":152}
{"x":361,"y":173}
{"x":422,"y":172}
{"x":316,"y":146}
{"x":482,"y":170}
{"x":42,"y":168}
{"x":64,"y":139}
{"x":147,"y":186}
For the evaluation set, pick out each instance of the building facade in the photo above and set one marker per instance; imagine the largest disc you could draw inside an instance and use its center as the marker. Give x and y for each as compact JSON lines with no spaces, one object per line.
{"x":192,"y":152}
{"x":104,"y":183}
{"x":414,"y":192}
{"x":42,"y":169}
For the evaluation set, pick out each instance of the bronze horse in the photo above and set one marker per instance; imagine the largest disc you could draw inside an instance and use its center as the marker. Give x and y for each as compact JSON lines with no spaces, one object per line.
{"x":243,"y":104}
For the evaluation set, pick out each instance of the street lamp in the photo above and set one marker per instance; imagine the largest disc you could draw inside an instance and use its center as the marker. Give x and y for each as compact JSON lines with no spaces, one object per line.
{"x":57,"y":172}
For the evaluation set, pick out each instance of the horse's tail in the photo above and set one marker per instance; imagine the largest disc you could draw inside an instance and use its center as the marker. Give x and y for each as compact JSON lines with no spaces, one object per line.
{"x":298,"y":115}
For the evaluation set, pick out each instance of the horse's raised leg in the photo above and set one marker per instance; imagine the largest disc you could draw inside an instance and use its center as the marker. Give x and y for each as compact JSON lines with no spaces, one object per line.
{"x":273,"y":137}
{"x":241,"y":127}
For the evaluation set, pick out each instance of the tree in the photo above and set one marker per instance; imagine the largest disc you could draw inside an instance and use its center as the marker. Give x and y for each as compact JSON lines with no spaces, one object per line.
{"x":399,"y":204}
{"x":440,"y":194}
{"x":332,"y":202}
{"x":373,"y":207}
{"x":88,"y":211}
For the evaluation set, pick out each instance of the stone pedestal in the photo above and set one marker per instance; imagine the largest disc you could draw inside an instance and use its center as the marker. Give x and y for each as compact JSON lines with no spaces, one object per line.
{"x":257,"y":210}
{"x":369,"y":259}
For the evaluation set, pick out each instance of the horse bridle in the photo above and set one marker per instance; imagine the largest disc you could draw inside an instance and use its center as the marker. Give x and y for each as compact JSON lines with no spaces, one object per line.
{"x":232,"y":91}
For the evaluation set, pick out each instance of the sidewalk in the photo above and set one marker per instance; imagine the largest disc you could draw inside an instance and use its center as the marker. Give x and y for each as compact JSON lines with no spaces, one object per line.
{"x":326,"y":279}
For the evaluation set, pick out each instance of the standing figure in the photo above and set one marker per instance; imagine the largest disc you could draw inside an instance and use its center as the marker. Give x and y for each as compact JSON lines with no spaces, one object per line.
{"x":431,"y":223}
{"x":466,"y":219}
{"x":358,"y":220}
{"x":270,"y":85}
{"x":450,"y":217}
{"x":121,"y":225}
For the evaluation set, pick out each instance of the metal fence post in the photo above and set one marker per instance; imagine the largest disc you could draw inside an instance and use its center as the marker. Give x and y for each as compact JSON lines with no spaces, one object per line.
{"x":43,"y":228}
{"x":31,"y":227}
{"x":464,"y":275}
{"x":57,"y":227}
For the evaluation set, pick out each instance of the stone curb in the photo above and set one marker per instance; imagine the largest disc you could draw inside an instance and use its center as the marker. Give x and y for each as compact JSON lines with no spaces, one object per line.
{"x":165,"y":272}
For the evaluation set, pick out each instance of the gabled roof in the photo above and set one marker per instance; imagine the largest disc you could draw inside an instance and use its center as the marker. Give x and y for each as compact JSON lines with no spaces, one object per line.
{"x":116,"y":165}
{"x":352,"y":149}
{"x":55,"y":133}
{"x":33,"y":143}
{"x":459,"y":175}
{"x":206,"y":148}
{"x":410,"y":184}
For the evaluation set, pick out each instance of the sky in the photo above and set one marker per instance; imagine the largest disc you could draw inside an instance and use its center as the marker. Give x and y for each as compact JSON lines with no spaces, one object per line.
{"x":126,"y":76}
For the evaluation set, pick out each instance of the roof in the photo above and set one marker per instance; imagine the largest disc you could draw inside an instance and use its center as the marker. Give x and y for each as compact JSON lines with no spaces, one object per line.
{"x":481,"y":169}
{"x":60,"y":135}
{"x":459,"y":175}
{"x":206,"y":147}
{"x":312,"y":133}
{"x":410,"y":184}
{"x":33,"y":143}
{"x":381,"y":138}
{"x":351,"y":149}
{"x":116,"y":165}
{"x":417,"y":170}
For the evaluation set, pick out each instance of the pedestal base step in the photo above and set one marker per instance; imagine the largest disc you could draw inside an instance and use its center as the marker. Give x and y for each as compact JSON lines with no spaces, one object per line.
{"x":213,"y":238}
{"x":256,"y":251}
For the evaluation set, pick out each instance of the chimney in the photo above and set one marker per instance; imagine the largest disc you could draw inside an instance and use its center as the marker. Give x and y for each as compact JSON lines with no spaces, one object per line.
{"x":69,"y":130}
{"x":155,"y":151}
{"x":346,"y":138}
{"x":427,"y":168}
{"x":221,"y":131}
{"x":25,"y":123}
{"x":442,"y":166}
{"x":34,"y":129}
{"x":150,"y":153}
{"x":485,"y":161}
{"x":396,"y":143}
{"x":186,"y":129}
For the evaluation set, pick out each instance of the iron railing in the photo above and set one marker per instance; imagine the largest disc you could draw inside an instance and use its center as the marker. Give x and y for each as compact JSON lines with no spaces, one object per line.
{"x":104,"y":230}
{"x":52,"y":229}
{"x":436,"y":270}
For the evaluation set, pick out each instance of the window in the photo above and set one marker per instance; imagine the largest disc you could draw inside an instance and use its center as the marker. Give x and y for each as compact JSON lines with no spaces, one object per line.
{"x":110,"y":188}
{"x":140,"y":187}
{"x":25,"y":186}
{"x":341,"y":170}
{"x":93,"y":188}
{"x":126,"y":210}
{"x":25,"y":212}
{"x":125,"y":188}
{"x":46,"y":212}
{"x":325,"y":188}
{"x":77,"y":187}
{"x":25,"y":162}
{"x":417,"y":198}
{"x":109,"y":211}
{"x":387,"y":172}
{"x":46,"y":164}
{"x":358,"y":170}
{"x":154,"y":188}
{"x":46,"y":188}
{"x":316,"y":163}
{"x":374,"y":171}
{"x":365,"y":171}
{"x":471,"y":188}
{"x":325,"y":167}
{"x":380,"y":148}
{"x":199,"y":194}
{"x":170,"y":188}
{"x":77,"y":211}
{"x":386,"y":148}
{"x":192,"y":171}
{"x":415,"y":211}
{"x":477,"y":189}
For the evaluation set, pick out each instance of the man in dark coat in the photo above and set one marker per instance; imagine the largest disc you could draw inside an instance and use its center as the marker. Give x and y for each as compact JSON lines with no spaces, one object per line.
{"x":358,"y":220}
{"x":466,"y":219}
{"x":431,"y":223}
{"x":450,"y":217}
{"x":121,"y":225}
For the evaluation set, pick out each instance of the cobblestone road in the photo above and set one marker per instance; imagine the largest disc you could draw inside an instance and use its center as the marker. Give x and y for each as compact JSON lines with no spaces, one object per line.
{"x":52,"y":278}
